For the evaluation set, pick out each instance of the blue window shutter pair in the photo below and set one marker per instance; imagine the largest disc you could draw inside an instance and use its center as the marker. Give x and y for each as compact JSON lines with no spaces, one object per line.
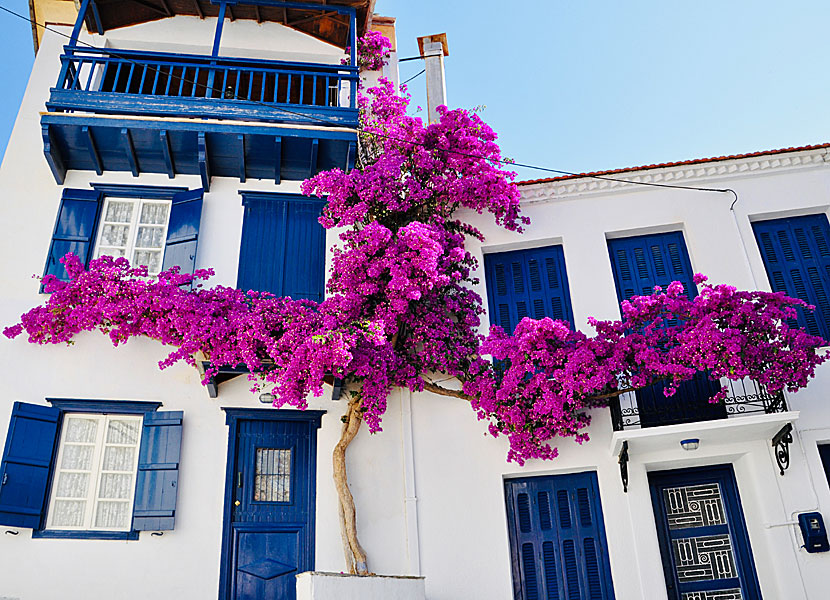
{"x":527,"y":283}
{"x":30,"y":449}
{"x":796,"y":254}
{"x":557,"y":537}
{"x":77,"y":225}
{"x":283,"y":246}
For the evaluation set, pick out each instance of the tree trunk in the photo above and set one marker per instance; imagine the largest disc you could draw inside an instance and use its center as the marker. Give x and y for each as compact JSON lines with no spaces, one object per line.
{"x":354,"y":553}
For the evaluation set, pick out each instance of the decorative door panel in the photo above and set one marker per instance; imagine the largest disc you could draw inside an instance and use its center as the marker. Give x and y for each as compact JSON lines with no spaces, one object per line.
{"x":557,"y":538}
{"x":703,"y":539}
{"x":269,"y":528}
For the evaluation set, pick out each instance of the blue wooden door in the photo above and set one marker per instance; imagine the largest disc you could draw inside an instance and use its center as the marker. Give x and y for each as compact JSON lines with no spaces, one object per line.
{"x":270,"y":534}
{"x":703,"y":539}
{"x":639,"y":264}
{"x":557,"y":538}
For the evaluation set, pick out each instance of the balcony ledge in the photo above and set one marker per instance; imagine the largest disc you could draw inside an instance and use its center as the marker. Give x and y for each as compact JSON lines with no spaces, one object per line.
{"x":721,"y":431}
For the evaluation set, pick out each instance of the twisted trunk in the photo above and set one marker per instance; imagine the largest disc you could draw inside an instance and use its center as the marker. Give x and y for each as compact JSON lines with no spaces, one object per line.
{"x":353,"y":551}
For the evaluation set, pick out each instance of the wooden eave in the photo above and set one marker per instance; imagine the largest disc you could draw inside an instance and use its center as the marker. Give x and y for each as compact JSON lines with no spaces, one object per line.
{"x":328,"y":26}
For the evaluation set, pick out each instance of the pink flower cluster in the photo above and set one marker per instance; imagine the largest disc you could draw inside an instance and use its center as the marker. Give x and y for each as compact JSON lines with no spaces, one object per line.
{"x":556,"y":374}
{"x":372,"y":51}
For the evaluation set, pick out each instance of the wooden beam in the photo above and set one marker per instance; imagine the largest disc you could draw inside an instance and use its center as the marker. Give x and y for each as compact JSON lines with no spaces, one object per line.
{"x":199,"y":9}
{"x":93,"y":150}
{"x":230,"y":13}
{"x":204,"y":161}
{"x":309,"y":19}
{"x":129,"y":150}
{"x":53,"y":155}
{"x":278,"y":160}
{"x":241,"y":148}
{"x":167,"y":153}
{"x":258,"y":14}
{"x":164,"y":10}
{"x":97,"y":16}
{"x":167,"y":8}
{"x":315,"y":147}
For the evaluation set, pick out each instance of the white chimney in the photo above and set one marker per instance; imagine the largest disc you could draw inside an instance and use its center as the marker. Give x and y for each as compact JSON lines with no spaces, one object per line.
{"x":434,"y":48}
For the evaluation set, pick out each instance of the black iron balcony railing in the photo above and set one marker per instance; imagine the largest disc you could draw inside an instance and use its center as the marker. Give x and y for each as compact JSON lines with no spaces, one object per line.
{"x":650,"y":408}
{"x":131,"y":82}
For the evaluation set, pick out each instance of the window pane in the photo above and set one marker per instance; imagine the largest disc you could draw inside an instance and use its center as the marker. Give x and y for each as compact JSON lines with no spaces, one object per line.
{"x":113,"y":515}
{"x":78,"y":458}
{"x":68,"y":513}
{"x":73,"y":485}
{"x":272,"y":481}
{"x":115,"y":235}
{"x":116,"y":252}
{"x":154,"y":214}
{"x":123,"y":432}
{"x":119,"y":212}
{"x":149,"y":237}
{"x":118,"y":458}
{"x":116,"y":485}
{"x":150,"y":258}
{"x":81,"y":430}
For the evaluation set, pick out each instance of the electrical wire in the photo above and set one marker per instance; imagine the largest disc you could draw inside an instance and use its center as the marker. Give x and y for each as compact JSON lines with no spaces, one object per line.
{"x":506,"y":162}
{"x":414,"y":76}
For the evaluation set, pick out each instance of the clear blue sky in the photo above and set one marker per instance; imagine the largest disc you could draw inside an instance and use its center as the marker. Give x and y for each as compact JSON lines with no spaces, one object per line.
{"x":594,"y":85}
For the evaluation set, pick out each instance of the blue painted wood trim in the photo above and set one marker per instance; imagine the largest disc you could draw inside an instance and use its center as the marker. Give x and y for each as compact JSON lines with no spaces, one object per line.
{"x":93,"y":151}
{"x":91,"y":120}
{"x":127,"y":190}
{"x":129,"y":149}
{"x":346,"y":10}
{"x":216,"y":108}
{"x":232,"y":417}
{"x":233,"y":414}
{"x":312,"y":163}
{"x":169,"y":165}
{"x":277,"y":159}
{"x":99,"y":26}
{"x":126,"y":407}
{"x":204,"y":161}
{"x":241,"y":157}
{"x":84,"y":535}
{"x":220,"y":23}
{"x":51,"y":150}
{"x":249,"y":195}
{"x":351,"y":156}
{"x":76,"y":30}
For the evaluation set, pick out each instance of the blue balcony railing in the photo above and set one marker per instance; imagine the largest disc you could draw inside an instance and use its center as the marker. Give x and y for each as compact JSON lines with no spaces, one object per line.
{"x":633,"y":411}
{"x":130,"y":82}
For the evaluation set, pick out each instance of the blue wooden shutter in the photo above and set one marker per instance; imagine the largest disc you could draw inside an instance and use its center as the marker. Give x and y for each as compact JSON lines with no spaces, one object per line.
{"x":796,"y":254}
{"x":158,"y":472}
{"x":183,"y":231}
{"x":283,"y":246}
{"x":305,"y":244}
{"x":527,"y":283}
{"x":75,"y":229}
{"x":27,"y":461}
{"x":557,"y":537}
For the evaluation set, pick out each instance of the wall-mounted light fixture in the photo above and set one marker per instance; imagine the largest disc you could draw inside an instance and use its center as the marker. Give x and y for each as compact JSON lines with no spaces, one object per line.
{"x":690,"y":444}
{"x":266,"y":398}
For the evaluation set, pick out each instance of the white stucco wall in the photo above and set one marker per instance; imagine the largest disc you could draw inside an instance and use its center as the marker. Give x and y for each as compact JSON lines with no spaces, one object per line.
{"x":429,"y":488}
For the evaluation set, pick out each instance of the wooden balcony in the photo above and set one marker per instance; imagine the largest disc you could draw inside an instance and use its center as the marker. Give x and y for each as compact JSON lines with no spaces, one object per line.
{"x":128,"y":110}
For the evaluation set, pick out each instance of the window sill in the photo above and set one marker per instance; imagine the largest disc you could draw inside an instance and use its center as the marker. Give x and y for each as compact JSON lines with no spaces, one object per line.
{"x":84,"y":535}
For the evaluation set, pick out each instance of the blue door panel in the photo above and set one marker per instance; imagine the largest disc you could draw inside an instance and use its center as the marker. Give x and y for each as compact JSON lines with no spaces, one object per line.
{"x":640,"y":263}
{"x":269,"y":524}
{"x":557,"y":538}
{"x":702,"y":533}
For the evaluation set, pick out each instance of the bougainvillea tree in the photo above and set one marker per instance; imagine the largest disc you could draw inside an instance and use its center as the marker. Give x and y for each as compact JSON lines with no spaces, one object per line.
{"x":400,"y":309}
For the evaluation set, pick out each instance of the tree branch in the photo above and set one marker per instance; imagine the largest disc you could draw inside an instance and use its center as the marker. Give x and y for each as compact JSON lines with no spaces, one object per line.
{"x":437,"y":389}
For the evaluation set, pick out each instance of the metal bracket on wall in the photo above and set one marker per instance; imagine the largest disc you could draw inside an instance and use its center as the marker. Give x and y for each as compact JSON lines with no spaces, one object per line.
{"x":781,"y":443}
{"x":623,"y":460}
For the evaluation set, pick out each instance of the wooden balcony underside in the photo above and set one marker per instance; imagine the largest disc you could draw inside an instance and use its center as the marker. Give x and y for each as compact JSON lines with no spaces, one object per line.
{"x":192,"y":146}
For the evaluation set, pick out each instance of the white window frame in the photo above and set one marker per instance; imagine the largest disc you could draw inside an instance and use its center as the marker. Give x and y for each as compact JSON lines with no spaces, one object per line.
{"x":133,"y":225}
{"x":96,"y":472}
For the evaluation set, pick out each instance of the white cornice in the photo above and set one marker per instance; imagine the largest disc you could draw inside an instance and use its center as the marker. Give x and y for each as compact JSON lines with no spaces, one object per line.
{"x":702,"y":175}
